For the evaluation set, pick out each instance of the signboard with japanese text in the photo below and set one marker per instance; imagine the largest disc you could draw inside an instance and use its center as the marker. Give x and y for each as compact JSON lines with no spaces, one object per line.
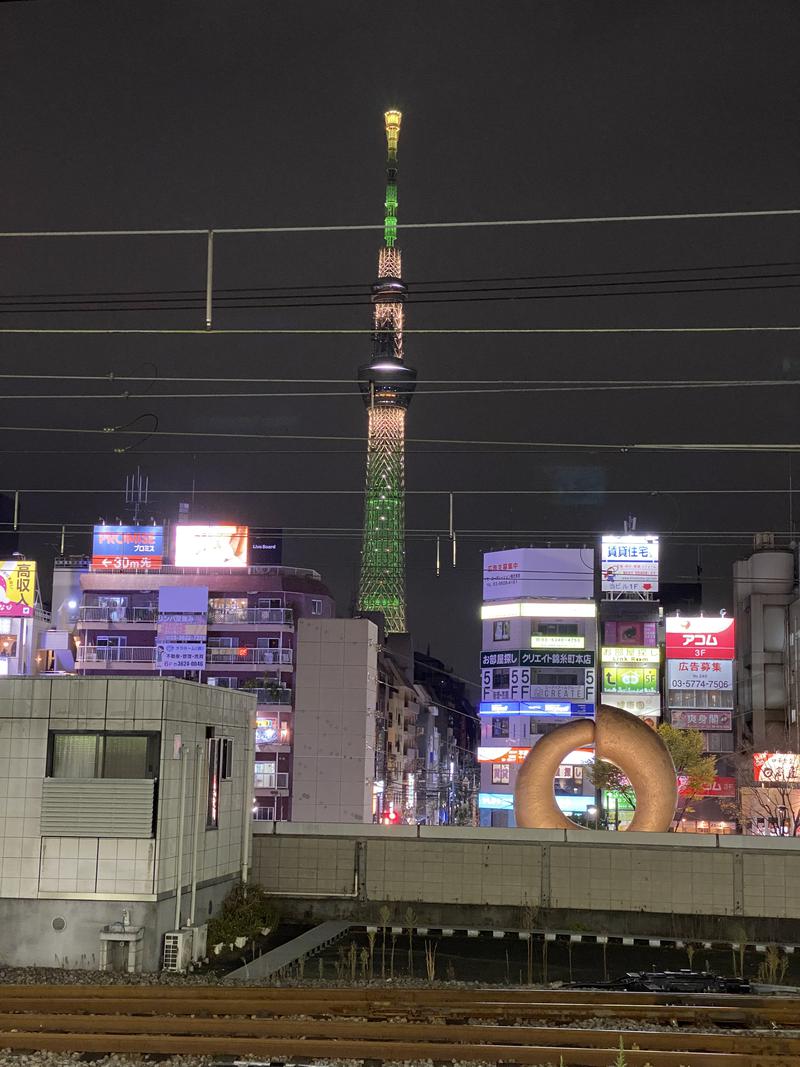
{"x":502,"y":754}
{"x":181,"y":655}
{"x":128,"y":548}
{"x":17,"y":588}
{"x":699,"y":674}
{"x":557,"y":641}
{"x":518,"y":683}
{"x":536,"y":708}
{"x":629,"y":564}
{"x":538,"y":572}
{"x":701,"y":719}
{"x":632,"y":654}
{"x":627,"y":679}
{"x":211,"y":546}
{"x":775,"y":767}
{"x":700,"y":638}
{"x":525,"y":657}
{"x":720,"y":787}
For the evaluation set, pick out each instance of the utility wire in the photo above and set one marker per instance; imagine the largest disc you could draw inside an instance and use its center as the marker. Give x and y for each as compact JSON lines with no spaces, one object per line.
{"x":415,"y":285}
{"x":350,"y":393}
{"x":640,"y":447}
{"x":113,"y":378}
{"x":448,"y":331}
{"x":348,"y":228}
{"x":414,"y":492}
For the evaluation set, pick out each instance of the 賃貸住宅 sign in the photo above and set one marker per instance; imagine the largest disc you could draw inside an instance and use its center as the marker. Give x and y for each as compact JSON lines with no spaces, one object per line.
{"x":539,"y":572}
{"x":525,"y":657}
{"x":629,"y":564}
{"x":700,"y":638}
{"x":128,"y":548}
{"x":705,"y":674}
{"x":17,"y":588}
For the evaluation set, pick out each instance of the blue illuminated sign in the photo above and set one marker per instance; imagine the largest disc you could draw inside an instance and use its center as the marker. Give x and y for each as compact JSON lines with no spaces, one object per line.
{"x":534,"y":707}
{"x":496,"y":801}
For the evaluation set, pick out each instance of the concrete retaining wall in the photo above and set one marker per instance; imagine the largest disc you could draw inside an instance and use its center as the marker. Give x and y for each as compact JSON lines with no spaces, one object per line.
{"x":661,"y":884}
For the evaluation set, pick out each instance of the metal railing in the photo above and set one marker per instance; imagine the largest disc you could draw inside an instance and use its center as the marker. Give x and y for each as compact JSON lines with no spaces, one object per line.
{"x":274,"y":657}
{"x":250,"y":616}
{"x":96,"y":613}
{"x":271,"y":696}
{"x":271,"y":780}
{"x":115,"y":654}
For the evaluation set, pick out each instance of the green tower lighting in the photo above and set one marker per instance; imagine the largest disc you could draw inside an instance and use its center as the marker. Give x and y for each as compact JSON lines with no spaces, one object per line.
{"x":387,"y":386}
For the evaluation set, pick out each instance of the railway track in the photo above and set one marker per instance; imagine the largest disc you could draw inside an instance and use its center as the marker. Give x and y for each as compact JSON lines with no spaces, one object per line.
{"x":511,"y":1026}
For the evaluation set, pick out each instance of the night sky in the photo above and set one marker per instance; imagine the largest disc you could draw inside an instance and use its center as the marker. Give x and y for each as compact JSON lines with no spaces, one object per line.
{"x":234,"y":114}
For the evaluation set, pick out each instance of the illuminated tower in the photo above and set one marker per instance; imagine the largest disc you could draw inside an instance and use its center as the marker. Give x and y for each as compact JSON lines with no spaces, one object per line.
{"x":387,"y":385}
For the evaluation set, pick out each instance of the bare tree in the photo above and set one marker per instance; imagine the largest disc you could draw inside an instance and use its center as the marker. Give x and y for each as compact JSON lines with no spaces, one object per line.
{"x":763,"y":808}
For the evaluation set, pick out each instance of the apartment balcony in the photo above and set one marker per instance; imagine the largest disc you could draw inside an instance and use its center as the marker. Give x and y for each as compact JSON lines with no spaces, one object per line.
{"x":282,"y":658}
{"x":251,"y":617}
{"x":272,"y":697}
{"x":143,"y":657}
{"x":277,"y":781}
{"x":128,"y":657}
{"x":108,"y":616}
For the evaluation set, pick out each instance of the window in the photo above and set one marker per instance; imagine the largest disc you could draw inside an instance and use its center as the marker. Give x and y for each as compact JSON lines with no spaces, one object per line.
{"x":553,"y":678}
{"x":316,"y":607}
{"x":220,"y":768}
{"x":568,"y":629}
{"x":265,"y":775}
{"x":501,"y":679}
{"x":227,"y":758}
{"x":268,"y":642}
{"x":500,"y":726}
{"x":501,"y":773}
{"x":269,"y":602}
{"x":103,"y":755}
{"x":224,"y":681}
{"x":223,"y":642}
{"x":501,"y":631}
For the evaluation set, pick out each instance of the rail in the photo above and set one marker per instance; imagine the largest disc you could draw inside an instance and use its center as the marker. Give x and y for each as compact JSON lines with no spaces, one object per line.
{"x":250,"y":616}
{"x":524,"y":1026}
{"x":241,"y":657}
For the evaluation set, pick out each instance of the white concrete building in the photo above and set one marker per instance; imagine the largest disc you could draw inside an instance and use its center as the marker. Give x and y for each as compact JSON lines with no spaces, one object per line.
{"x":92,"y":773}
{"x":764,"y":589}
{"x":334,"y":738}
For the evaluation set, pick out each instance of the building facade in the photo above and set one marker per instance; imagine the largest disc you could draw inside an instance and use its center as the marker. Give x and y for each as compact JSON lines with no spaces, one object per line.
{"x":538,"y":669}
{"x":95,"y":776}
{"x":244,"y":631}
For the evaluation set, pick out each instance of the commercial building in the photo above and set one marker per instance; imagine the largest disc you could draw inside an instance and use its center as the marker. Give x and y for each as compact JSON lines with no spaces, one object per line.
{"x":126,"y":815}
{"x":538,"y":665}
{"x":23,"y":621}
{"x":210,"y":615}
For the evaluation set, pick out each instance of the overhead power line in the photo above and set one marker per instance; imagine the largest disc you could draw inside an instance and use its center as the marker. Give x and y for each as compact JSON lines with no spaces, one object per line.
{"x":565,"y":446}
{"x":189,"y":490}
{"x":446,"y":331}
{"x":467,"y":224}
{"x":354,"y":392}
{"x":415,"y":285}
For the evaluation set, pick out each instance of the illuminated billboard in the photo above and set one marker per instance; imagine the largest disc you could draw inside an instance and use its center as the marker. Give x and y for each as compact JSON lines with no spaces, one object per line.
{"x":211,"y":546}
{"x":705,"y":674}
{"x":627,"y":679}
{"x":557,"y":641}
{"x":17,"y":588}
{"x":630,"y":654}
{"x":700,"y":638}
{"x":629,"y":564}
{"x":502,"y":754}
{"x":128,"y":548}
{"x":538,"y":572}
{"x":540,"y":610}
{"x":776,"y":767}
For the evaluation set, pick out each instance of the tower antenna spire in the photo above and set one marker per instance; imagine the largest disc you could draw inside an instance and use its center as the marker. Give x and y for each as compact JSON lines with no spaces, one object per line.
{"x":387,"y":385}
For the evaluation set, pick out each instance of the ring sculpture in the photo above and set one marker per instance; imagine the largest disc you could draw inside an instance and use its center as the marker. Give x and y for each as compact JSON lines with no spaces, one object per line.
{"x":620,"y":738}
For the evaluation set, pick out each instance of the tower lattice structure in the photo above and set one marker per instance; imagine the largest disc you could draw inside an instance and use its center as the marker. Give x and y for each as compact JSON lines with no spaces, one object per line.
{"x":387,"y":386}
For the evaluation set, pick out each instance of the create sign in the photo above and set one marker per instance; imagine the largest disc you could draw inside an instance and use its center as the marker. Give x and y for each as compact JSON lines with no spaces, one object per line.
{"x":700,"y":638}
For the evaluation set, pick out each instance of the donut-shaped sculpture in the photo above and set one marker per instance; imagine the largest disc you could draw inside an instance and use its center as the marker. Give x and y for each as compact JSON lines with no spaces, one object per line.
{"x":620,"y":738}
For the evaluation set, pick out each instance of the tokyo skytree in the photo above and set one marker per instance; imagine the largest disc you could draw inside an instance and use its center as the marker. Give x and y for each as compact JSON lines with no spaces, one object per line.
{"x":387,"y":386}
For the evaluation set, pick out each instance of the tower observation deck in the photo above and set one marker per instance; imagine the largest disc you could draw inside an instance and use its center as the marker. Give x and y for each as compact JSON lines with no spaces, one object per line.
{"x":387,"y":386}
